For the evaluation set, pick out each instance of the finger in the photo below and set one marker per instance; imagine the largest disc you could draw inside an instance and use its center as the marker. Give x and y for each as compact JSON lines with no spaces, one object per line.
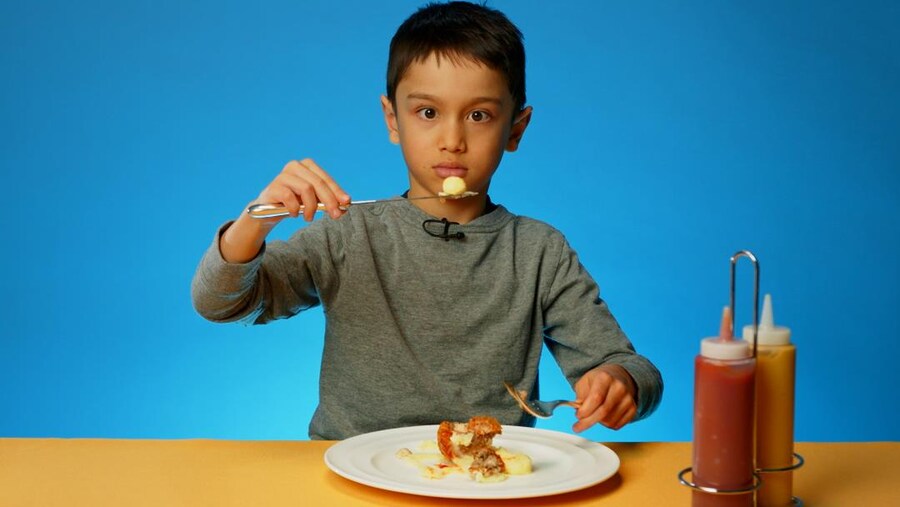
{"x":283,"y":195}
{"x":594,"y":395}
{"x":581,"y":425}
{"x":608,"y":414}
{"x":626,"y":417}
{"x":617,"y":399}
{"x":342,"y":196}
{"x":310,"y":201}
{"x":616,"y":412}
{"x":330,"y":193}
{"x":616,"y":402}
{"x":310,"y":188}
{"x":591,"y":418}
{"x":586,"y":422}
{"x":323,"y":191}
{"x":300,"y":185}
{"x":284,"y":190}
{"x":593,"y":401}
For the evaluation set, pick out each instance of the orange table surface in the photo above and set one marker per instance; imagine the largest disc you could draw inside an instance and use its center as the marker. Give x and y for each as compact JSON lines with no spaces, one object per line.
{"x":98,"y":472}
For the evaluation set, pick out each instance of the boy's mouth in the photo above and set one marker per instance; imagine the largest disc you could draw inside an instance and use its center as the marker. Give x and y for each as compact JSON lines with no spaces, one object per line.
{"x":447,"y":169}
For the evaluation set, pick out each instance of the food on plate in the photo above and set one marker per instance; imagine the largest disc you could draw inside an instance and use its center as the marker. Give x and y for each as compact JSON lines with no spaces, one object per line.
{"x":467,"y":448}
{"x":453,"y":186}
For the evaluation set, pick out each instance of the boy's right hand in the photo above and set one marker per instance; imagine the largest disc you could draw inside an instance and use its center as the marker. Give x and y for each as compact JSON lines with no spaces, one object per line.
{"x":301,"y":183}
{"x":304,"y":183}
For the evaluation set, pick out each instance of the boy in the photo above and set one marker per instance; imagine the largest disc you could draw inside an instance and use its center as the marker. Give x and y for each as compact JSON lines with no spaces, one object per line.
{"x":426,"y":325}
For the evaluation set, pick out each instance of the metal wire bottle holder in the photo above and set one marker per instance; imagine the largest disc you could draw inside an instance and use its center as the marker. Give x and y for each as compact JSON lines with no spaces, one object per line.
{"x":798,"y":462}
{"x":757,"y":480}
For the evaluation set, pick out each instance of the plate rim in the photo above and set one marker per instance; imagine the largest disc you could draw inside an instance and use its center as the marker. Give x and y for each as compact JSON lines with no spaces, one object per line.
{"x":595,"y":449}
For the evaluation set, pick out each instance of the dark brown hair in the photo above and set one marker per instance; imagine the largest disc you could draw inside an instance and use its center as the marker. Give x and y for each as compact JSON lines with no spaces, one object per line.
{"x":457,"y":30}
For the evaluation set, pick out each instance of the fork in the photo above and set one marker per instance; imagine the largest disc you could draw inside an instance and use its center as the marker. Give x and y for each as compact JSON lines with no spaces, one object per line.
{"x":278,"y":210}
{"x":537,"y":408}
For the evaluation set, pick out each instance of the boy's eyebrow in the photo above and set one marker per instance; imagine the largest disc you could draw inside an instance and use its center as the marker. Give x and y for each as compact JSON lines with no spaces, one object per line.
{"x":432,"y":98}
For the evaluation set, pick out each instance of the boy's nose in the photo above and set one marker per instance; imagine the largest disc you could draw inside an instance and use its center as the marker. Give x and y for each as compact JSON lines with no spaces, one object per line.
{"x":453,"y":137}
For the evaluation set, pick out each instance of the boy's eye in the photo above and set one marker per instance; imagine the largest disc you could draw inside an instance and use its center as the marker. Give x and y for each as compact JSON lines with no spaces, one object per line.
{"x":427,"y":113}
{"x":479,"y":116}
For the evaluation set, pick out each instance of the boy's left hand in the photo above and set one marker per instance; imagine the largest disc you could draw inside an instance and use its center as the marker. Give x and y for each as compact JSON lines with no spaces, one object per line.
{"x":607,"y":395}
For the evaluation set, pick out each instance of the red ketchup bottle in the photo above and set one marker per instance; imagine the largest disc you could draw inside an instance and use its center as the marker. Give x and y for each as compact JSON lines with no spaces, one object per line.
{"x":724,"y":383}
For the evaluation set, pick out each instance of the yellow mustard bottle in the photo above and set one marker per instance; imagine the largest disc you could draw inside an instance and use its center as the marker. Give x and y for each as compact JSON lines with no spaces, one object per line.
{"x":775,"y":377}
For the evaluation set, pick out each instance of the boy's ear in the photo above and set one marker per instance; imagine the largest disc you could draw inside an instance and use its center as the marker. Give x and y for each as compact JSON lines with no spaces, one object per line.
{"x":518,"y":129}
{"x":390,"y":119}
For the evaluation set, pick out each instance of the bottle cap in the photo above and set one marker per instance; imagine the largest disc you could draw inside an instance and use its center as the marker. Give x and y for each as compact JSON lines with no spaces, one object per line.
{"x":769,"y":333}
{"x":724,"y":346}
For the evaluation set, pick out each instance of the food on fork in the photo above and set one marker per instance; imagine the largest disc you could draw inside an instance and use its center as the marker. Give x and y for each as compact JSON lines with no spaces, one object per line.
{"x":468,"y":447}
{"x":453,"y":186}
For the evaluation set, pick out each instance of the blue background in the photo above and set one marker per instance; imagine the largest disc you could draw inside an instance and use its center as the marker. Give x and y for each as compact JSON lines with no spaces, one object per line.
{"x":666,"y":136}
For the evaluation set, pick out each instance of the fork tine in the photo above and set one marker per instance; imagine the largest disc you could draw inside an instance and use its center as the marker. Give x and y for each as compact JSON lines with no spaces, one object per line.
{"x":525,"y":405}
{"x":540,"y":415}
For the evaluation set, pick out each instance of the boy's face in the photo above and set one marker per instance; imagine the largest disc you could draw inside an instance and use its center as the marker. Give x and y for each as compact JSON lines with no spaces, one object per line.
{"x":453,"y":117}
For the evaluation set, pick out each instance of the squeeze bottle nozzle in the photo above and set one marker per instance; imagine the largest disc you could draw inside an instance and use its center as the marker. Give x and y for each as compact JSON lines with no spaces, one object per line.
{"x":769,"y":333}
{"x":726,"y":326}
{"x":724,"y":346}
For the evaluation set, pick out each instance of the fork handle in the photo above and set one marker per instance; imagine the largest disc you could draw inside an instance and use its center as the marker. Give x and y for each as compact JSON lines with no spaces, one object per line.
{"x":276,"y":210}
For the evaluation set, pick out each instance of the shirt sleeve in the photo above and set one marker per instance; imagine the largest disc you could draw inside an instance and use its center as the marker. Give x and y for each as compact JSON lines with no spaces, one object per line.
{"x":278,"y":283}
{"x":581,"y":333}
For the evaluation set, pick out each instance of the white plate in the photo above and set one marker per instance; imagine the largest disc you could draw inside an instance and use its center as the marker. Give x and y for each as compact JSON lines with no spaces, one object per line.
{"x":560,"y":462}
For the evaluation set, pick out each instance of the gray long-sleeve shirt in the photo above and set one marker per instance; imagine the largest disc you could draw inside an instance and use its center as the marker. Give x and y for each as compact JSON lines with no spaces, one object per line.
{"x":420,"y":329}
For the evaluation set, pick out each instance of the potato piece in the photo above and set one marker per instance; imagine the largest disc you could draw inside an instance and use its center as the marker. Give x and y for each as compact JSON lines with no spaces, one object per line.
{"x":454,"y":185}
{"x":516,"y":464}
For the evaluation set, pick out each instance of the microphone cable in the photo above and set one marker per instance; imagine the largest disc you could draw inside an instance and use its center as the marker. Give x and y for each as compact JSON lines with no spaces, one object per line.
{"x":446,"y":235}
